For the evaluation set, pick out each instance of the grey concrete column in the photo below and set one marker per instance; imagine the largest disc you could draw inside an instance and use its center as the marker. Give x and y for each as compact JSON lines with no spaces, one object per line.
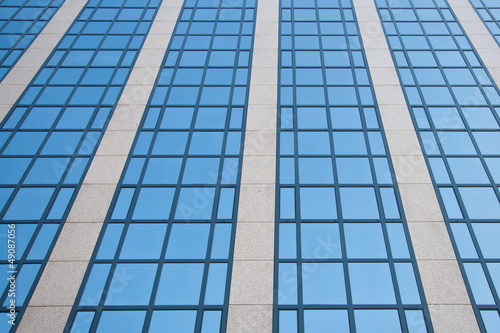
{"x":482,"y":40}
{"x":25,"y":69}
{"x":444,"y":288}
{"x":251,"y":295}
{"x":56,"y":291}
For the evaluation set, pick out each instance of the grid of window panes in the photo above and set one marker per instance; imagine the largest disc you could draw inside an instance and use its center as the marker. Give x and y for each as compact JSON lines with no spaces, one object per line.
{"x":20,"y":24}
{"x":454,"y":105}
{"x":164,"y":257}
{"x":489,"y":12}
{"x":50,"y":136}
{"x":344,"y":258}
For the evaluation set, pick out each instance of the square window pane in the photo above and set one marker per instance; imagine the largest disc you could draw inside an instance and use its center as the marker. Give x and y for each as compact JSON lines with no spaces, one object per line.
{"x":371,"y":283}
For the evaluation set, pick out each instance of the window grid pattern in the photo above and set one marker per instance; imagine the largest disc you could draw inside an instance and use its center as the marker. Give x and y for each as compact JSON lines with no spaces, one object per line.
{"x":489,"y":12}
{"x":454,"y":105}
{"x":20,"y":24}
{"x":164,"y":256}
{"x":344,"y":259}
{"x":50,"y":136}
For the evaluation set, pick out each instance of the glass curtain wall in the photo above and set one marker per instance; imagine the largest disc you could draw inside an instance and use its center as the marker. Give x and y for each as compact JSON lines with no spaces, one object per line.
{"x":344,"y":262}
{"x":20,"y":24}
{"x":489,"y":12}
{"x":455,"y":109}
{"x":51,"y":133}
{"x":164,"y":256}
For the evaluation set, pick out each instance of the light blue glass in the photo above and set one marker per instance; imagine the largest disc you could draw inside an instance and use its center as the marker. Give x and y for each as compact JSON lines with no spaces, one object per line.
{"x":182,"y":321}
{"x":397,"y":239}
{"x":134,"y":282}
{"x":200,"y":171}
{"x":359,"y":203}
{"x":188,"y":241}
{"x":468,"y":171}
{"x":25,"y":143}
{"x":323,"y":283}
{"x":287,"y":321}
{"x":371,"y":283}
{"x":287,"y":241}
{"x":478,"y":283}
{"x":354,"y":171}
{"x":480,"y":202}
{"x":364,"y":240}
{"x":95,"y":284}
{"x":487,"y":142}
{"x":480,"y":118}
{"x":407,"y":283}
{"x":377,"y":321}
{"x":311,"y":118}
{"x":287,"y":203}
{"x":82,"y":322}
{"x":314,"y":143}
{"x":391,"y":209}
{"x":171,"y":143}
{"x":131,"y":321}
{"x":439,"y":170}
{"x":287,"y":283}
{"x":487,"y":235}
{"x":226,"y":203}
{"x":287,"y":171}
{"x":463,"y":240}
{"x":317,"y":203}
{"x":315,"y":171}
{"x":195,"y":203}
{"x":162,"y":171}
{"x":319,"y":321}
{"x":176,"y":118}
{"x":44,"y":240}
{"x":446,"y":118}
{"x":12,"y":169}
{"x":456,"y":143}
{"x":211,"y":322}
{"x":211,"y":118}
{"x":24,"y":281}
{"x":450,"y":203}
{"x":349,"y":143}
{"x":206,"y":143}
{"x":491,"y":320}
{"x":151,"y":238}
{"x":220,"y":246}
{"x":180,"y":284}
{"x":153,"y":203}
{"x":216,"y":284}
{"x":345,"y":118}
{"x":47,"y":171}
{"x":29,"y":204}
{"x":41,"y":118}
{"x":318,"y":240}
{"x":110,"y":241}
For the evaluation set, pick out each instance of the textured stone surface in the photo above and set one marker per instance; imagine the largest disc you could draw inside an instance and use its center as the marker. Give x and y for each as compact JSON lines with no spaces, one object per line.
{"x":59,"y":283}
{"x":249,"y":234}
{"x":250,"y":319}
{"x":431,"y":240}
{"x":259,"y":203}
{"x":443,"y":283}
{"x":76,"y":242}
{"x":453,"y":318}
{"x":252,"y":282}
{"x":44,"y":319}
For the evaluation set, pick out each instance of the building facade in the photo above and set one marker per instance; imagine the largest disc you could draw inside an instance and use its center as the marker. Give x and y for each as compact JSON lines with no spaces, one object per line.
{"x":290,"y":166}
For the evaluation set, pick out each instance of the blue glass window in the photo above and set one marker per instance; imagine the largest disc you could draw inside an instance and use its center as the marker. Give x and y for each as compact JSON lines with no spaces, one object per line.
{"x":453,"y":102}
{"x":179,"y":188}
{"x":342,"y":242}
